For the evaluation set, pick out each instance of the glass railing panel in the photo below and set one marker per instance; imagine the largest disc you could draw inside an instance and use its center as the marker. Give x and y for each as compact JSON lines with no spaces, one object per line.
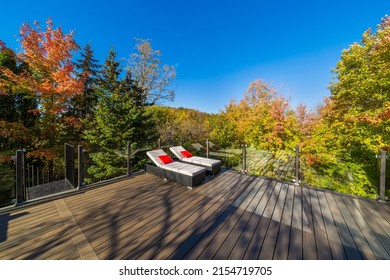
{"x":340,"y":173}
{"x":279,"y":164}
{"x":43,"y":177}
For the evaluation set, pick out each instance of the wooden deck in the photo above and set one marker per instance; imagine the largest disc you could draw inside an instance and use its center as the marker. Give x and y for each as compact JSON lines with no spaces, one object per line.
{"x":231,"y":216}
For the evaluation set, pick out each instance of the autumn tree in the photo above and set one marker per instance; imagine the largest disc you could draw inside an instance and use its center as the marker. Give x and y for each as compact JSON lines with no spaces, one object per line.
{"x":262,"y":118}
{"x":49,"y":78}
{"x":223,"y":130}
{"x":48,"y":54}
{"x":360,"y":94}
{"x":353,"y":123}
{"x":149,"y":73}
{"x":306,"y":120}
{"x":174,"y":124}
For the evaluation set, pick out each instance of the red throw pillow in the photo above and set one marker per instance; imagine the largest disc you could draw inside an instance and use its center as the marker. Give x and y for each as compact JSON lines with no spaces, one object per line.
{"x":186,"y":154}
{"x":165,"y":159}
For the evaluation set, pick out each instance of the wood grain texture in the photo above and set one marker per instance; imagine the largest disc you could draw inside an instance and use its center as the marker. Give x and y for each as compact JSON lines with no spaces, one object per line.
{"x":229,"y":216}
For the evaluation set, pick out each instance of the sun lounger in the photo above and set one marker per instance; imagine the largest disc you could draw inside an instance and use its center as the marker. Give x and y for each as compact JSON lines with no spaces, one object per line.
{"x":213,"y":166}
{"x":180,"y":172}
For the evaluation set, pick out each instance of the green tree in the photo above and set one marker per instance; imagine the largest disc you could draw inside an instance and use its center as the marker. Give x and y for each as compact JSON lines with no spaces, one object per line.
{"x":119,"y":117}
{"x":359,"y":109}
{"x":110,"y":72}
{"x":354,"y":122}
{"x":174,"y":124}
{"x":88,"y":70}
{"x":16,"y":104}
{"x":223,"y":131}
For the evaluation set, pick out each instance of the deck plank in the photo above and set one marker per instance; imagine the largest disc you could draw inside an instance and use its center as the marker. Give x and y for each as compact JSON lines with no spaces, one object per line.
{"x":285,"y":228}
{"x":380,"y":208}
{"x":194,"y":246}
{"x":215,"y":242}
{"x":360,"y":241}
{"x":129,"y":215}
{"x":243,"y":243}
{"x":370,"y":230}
{"x":257,"y":239}
{"x":379,"y":228}
{"x":227,"y":246}
{"x":346,"y":238}
{"x":180,"y":222}
{"x":154,"y":218}
{"x":296,"y":236}
{"x":335,"y":244}
{"x":371,"y":210}
{"x":321,"y":237}
{"x":309,"y":241}
{"x":229,"y":216}
{"x":269,"y":243}
{"x":198,"y":221}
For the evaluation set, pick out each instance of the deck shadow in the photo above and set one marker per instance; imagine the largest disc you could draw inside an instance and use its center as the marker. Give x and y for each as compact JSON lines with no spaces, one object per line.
{"x":4,"y":220}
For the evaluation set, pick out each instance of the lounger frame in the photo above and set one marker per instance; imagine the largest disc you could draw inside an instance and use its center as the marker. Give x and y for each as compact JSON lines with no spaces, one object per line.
{"x":210,"y":170}
{"x":187,"y":180}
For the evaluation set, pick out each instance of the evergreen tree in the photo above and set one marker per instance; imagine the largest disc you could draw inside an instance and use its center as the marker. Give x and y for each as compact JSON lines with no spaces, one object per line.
{"x":88,"y":70}
{"x":119,"y":117}
{"x":109,"y":79}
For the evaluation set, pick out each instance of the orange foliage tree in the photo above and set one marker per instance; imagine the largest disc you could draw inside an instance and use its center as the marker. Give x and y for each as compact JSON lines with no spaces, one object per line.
{"x":51,"y":79}
{"x":48,"y":54}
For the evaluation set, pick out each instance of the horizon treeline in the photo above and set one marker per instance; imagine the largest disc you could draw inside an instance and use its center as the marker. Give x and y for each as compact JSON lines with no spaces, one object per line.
{"x":47,"y":98}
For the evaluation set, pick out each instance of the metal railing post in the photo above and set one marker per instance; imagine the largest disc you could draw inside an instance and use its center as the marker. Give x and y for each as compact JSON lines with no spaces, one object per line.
{"x":128,"y":158}
{"x":382,"y":175}
{"x":244,"y":158}
{"x":69,"y":164}
{"x":207,"y":148}
{"x":20,"y":186}
{"x":80,"y":170}
{"x":159,"y":143}
{"x":28,"y":175}
{"x":66,"y":158}
{"x":297,"y":177}
{"x":181,"y":141}
{"x":32,"y":176}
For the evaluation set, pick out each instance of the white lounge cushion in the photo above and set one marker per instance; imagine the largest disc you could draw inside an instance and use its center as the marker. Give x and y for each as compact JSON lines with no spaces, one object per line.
{"x":177,"y":151}
{"x":202,"y":161}
{"x":194,"y":159}
{"x":184,"y":168}
{"x":179,"y":167}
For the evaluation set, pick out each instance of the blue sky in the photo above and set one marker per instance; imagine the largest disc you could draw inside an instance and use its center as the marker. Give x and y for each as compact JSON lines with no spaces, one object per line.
{"x":217,"y":47}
